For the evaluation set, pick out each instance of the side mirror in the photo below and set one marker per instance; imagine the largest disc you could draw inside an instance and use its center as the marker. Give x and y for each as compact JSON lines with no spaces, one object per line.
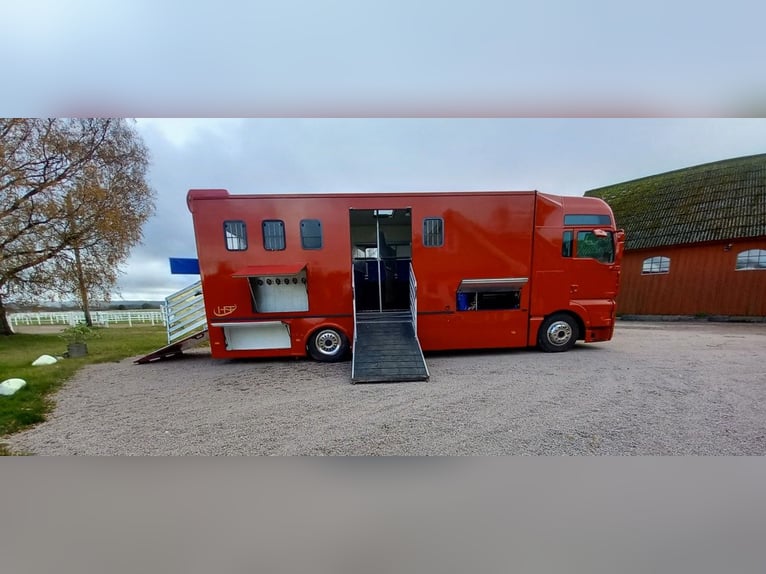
{"x":619,"y":243}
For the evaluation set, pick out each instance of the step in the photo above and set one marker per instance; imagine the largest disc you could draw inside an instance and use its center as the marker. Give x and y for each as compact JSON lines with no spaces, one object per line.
{"x":384,"y":317}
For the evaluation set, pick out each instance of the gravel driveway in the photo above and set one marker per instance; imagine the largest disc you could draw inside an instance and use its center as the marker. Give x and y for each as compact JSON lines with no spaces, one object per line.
{"x":657,"y":388}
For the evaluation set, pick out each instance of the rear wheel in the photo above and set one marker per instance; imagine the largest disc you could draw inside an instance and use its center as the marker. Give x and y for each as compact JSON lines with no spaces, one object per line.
{"x":558,"y":333}
{"x":328,"y":345}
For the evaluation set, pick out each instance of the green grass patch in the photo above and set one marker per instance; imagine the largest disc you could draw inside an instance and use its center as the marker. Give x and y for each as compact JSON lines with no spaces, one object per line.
{"x":29,"y":405}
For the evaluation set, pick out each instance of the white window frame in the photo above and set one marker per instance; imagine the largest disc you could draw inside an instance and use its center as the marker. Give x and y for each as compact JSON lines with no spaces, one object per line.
{"x":751,"y":260}
{"x":657,"y":265}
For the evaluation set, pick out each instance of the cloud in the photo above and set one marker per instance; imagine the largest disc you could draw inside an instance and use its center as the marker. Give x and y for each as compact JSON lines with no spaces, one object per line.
{"x":181,"y":132}
{"x":149,"y":278}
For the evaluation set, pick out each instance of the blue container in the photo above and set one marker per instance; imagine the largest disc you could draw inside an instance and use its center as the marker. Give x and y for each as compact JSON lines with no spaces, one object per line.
{"x":463,"y":301}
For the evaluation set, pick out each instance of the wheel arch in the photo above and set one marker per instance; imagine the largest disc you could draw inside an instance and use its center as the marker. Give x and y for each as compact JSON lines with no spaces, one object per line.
{"x":576,"y":316}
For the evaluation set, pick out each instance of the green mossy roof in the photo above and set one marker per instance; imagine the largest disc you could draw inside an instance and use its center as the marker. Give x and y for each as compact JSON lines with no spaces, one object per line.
{"x":710,"y":202}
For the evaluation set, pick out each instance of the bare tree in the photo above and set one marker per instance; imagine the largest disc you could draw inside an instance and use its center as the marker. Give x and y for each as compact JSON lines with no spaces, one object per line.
{"x":73,"y":199}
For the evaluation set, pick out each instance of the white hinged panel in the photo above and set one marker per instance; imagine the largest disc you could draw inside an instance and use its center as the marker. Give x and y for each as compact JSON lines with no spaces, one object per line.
{"x":254,"y":336}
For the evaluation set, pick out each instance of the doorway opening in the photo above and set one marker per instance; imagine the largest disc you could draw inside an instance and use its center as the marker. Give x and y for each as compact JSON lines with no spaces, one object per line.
{"x":381,"y":252}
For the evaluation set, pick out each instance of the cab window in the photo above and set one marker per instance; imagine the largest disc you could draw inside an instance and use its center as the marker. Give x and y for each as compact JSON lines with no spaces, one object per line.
{"x":566,"y":244}
{"x":591,"y":246}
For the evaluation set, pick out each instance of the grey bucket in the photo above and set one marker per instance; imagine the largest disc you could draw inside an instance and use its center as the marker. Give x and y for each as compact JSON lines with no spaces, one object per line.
{"x":77,"y":350}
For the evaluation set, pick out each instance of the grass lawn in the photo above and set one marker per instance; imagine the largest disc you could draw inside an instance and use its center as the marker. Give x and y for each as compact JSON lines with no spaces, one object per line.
{"x":30,"y":404}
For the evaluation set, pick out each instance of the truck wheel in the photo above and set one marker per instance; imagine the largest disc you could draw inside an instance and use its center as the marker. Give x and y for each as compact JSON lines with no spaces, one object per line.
{"x":328,"y":345}
{"x":558,"y":333}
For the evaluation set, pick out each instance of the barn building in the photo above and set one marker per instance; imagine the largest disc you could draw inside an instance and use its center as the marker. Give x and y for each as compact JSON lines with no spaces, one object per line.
{"x":695,"y":240}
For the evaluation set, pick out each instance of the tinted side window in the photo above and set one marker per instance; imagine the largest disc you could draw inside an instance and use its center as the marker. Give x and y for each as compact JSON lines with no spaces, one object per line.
{"x":433,"y":232}
{"x":566,"y":244}
{"x":311,"y":234}
{"x":587,"y":219}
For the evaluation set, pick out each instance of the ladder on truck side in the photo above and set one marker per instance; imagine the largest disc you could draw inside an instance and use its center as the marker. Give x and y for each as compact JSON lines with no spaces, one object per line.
{"x":186,"y":323}
{"x":386,"y":346}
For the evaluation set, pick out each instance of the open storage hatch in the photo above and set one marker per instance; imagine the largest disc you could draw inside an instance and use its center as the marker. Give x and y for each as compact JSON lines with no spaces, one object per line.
{"x":277,"y":288}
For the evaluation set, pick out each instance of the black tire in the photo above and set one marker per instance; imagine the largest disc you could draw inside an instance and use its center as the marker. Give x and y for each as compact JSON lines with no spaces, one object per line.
{"x":558,"y":333}
{"x":328,"y":345}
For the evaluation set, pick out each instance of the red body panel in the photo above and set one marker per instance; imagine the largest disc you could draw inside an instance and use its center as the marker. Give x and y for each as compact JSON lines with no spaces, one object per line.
{"x":516,"y":235}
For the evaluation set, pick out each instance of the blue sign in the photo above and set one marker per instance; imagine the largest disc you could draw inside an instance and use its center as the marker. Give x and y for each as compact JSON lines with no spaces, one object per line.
{"x":181,"y":266}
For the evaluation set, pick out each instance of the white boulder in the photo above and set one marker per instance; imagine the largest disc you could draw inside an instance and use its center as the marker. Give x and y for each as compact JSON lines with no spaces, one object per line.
{"x":10,"y":386}
{"x":43,"y":360}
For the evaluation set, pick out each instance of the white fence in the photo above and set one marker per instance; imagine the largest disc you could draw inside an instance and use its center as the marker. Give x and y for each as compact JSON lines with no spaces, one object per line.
{"x":102,"y":318}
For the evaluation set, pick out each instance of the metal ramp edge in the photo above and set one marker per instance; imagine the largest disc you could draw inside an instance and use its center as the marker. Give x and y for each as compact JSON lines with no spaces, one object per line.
{"x":174,"y":349}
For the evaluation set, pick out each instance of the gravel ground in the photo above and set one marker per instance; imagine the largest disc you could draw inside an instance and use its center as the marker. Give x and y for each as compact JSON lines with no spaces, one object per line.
{"x":656,"y":389}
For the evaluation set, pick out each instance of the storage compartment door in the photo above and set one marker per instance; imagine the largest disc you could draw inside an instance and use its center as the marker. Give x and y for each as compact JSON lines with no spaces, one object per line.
{"x":255,"y":336}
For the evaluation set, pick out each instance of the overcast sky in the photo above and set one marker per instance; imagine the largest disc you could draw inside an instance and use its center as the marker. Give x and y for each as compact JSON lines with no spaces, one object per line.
{"x":398,"y":57}
{"x":561,"y":156}
{"x":336,"y":59}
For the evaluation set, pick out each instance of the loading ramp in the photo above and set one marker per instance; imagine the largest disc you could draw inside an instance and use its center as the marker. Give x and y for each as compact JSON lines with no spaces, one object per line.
{"x":186,"y":323}
{"x":386,"y":349}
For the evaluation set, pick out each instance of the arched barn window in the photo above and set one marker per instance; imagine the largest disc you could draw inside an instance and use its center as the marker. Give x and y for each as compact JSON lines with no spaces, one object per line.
{"x":751,"y":259}
{"x":656,"y":265}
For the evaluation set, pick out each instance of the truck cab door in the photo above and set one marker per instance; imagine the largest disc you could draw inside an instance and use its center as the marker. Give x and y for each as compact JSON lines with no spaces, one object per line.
{"x":595,"y":257}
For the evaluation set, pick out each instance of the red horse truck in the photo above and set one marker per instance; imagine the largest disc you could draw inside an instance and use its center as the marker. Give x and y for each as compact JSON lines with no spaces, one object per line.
{"x":391,"y":275}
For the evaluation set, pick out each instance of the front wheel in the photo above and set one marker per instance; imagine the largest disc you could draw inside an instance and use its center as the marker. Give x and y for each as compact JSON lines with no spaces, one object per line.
{"x":558,"y":333}
{"x":328,"y":345}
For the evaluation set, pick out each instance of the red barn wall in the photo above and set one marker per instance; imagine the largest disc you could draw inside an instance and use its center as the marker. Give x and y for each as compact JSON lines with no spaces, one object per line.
{"x":702,"y":280}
